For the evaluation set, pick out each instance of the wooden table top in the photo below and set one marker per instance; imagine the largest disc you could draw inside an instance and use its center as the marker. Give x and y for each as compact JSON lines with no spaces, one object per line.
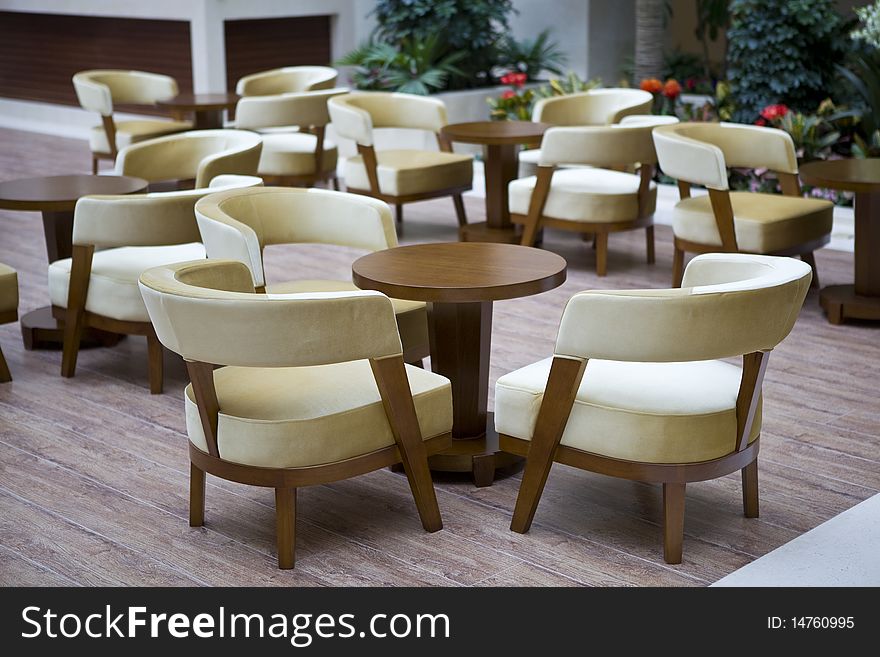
{"x":851,"y":175}
{"x":60,"y":193}
{"x":458,"y":272}
{"x":194,"y":102}
{"x":496,"y":133}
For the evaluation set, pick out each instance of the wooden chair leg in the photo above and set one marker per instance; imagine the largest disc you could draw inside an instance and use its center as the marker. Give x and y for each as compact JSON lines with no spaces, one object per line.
{"x":196,"y":496}
{"x":562,"y":385}
{"x":601,"y":254}
{"x":398,"y":218}
{"x":750,"y":489}
{"x":156,"y":364}
{"x":5,"y":374}
{"x":677,"y":267}
{"x":94,"y":166}
{"x":335,"y":182}
{"x":673,"y":521}
{"x":810,"y":259}
{"x":285,"y":526}
{"x":649,"y":243}
{"x":459,"y":209}
{"x":74,"y":318}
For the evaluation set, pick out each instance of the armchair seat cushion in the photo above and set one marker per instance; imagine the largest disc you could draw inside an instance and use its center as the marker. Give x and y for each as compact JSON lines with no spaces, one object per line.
{"x":293,"y":154}
{"x":131,"y":132}
{"x":764,"y":223}
{"x":8,"y":289}
{"x":113,"y":286}
{"x":585,"y":194}
{"x":408,"y":172}
{"x":412,"y":316}
{"x":648,"y":412}
{"x":303,"y":416}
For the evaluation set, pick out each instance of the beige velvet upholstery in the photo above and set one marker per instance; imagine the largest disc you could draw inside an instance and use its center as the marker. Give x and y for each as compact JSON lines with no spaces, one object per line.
{"x":238,"y":225}
{"x":653,"y":390}
{"x":290,"y":153}
{"x":356,"y":115}
{"x":408,"y":172}
{"x":764,"y":223}
{"x":139,"y":231}
{"x":97,"y":90}
{"x":8,"y":290}
{"x":289,"y":79}
{"x":295,"y":394}
{"x":199,"y":154}
{"x":702,"y":152}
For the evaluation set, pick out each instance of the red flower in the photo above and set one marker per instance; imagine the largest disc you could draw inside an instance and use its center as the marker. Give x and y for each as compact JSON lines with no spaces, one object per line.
{"x":772,"y":112}
{"x":671,"y":89}
{"x":507,"y":95}
{"x":690,"y":84}
{"x":651,"y":85}
{"x":761,"y":121}
{"x":515,"y":79}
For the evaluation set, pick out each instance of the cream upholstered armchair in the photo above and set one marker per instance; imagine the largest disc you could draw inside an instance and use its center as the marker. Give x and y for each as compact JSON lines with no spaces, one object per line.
{"x":193,"y":158}
{"x":133,"y":232}
{"x":594,"y":107}
{"x":700,"y":153}
{"x":289,"y":79}
{"x":400,"y":176}
{"x":239,"y":224}
{"x":296,"y":403}
{"x":636,"y":388}
{"x":304,"y":157}
{"x":98,"y":90}
{"x":8,"y":309}
{"x":593,"y":199}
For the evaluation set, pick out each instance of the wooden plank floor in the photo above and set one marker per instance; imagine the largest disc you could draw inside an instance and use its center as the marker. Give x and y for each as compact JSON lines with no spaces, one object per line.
{"x":93,"y":470}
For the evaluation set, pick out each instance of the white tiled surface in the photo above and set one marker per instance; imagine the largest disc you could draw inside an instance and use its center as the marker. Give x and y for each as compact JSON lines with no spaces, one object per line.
{"x":844,"y":551}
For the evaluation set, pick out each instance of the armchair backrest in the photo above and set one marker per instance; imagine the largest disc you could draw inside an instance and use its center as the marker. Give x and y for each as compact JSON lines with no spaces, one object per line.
{"x":199,"y":154}
{"x":701,"y":153}
{"x":153,"y":219}
{"x":187,"y":302}
{"x":97,"y":90}
{"x":355,"y":115}
{"x":730,"y":304}
{"x":289,"y":79}
{"x":238,"y":224}
{"x":593,"y":107}
{"x":602,"y":146}
{"x":303,"y":109}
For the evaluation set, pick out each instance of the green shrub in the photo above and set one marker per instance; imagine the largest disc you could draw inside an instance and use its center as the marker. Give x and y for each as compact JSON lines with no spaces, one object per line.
{"x":782,"y":51}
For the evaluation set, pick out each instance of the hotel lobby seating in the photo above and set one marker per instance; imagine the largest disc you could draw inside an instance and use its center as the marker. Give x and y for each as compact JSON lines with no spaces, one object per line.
{"x":115,"y":239}
{"x":289,"y":79}
{"x":295,"y":404}
{"x":98,"y":90}
{"x":636,"y":387}
{"x":594,"y":107}
{"x":239,"y":224}
{"x":598,"y":198}
{"x":400,"y":176}
{"x":751,"y":222}
{"x":301,"y":157}
{"x":8,"y":309}
{"x":192,"y":159}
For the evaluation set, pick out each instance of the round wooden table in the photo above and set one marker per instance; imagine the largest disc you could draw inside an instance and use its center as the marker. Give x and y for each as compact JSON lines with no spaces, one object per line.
{"x":862,"y":300}
{"x":500,"y":139}
{"x":207,"y":109}
{"x":460,"y":280}
{"x":55,"y":197}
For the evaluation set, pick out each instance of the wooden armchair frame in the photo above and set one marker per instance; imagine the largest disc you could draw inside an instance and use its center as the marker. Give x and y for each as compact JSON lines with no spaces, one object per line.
{"x":6,"y":317}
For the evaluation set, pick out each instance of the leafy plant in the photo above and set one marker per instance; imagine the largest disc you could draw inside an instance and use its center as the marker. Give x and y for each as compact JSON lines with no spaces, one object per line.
{"x":713,"y":16}
{"x":516,"y":103}
{"x":869,"y":32}
{"x":863,"y":75}
{"x":782,"y":51}
{"x":570,"y":84}
{"x":688,"y":68}
{"x":474,"y":27}
{"x":415,"y":67}
{"x":532,"y":56}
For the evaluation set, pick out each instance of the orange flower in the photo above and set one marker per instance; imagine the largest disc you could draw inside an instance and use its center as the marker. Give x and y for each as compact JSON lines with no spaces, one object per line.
{"x":672,"y":88}
{"x":651,"y":85}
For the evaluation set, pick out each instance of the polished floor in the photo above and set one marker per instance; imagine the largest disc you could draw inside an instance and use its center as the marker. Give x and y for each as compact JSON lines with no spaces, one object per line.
{"x":93,"y":470}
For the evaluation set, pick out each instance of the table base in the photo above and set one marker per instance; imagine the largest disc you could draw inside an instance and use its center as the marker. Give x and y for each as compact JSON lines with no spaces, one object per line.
{"x":841,"y":302}
{"x":483,"y":232}
{"x":479,"y":456}
{"x":40,"y":330}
